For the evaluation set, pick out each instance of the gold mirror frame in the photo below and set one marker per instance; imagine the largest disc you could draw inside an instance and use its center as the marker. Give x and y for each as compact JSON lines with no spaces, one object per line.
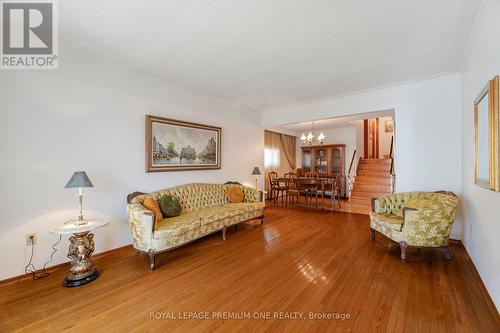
{"x":491,"y":90}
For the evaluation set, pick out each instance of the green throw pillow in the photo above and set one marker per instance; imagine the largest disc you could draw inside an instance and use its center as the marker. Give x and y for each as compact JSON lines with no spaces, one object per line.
{"x":170,"y":206}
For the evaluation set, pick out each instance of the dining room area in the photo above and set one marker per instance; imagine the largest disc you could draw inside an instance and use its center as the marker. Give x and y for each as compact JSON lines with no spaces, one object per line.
{"x":290,"y":183}
{"x":307,"y":191}
{"x":333,"y":164}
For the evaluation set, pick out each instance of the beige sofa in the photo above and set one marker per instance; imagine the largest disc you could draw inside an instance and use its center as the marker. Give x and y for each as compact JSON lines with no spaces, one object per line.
{"x":205,"y":210}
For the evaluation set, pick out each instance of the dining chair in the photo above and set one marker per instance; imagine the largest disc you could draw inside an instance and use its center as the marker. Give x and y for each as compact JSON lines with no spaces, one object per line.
{"x":314,"y":188}
{"x":337,"y":190}
{"x":311,"y":174}
{"x":293,"y":187}
{"x":276,"y":187}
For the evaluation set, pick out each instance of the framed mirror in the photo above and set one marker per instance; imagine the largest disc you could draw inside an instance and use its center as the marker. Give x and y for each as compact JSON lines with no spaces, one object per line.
{"x":486,"y":146}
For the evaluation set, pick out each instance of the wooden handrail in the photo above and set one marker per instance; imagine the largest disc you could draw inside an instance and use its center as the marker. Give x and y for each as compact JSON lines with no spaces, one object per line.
{"x":352,"y":161}
{"x":391,"y":155}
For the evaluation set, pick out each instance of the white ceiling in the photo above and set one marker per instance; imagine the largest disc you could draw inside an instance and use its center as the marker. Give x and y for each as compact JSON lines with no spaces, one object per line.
{"x":264,"y":53}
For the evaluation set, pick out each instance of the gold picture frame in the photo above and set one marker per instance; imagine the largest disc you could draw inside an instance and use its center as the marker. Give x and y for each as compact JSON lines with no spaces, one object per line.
{"x":176,"y":145}
{"x":486,"y":136}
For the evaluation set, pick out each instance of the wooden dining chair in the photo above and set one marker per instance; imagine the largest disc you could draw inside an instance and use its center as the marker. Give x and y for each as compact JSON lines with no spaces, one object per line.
{"x":337,"y":190}
{"x":294,"y":187}
{"x":313,"y":189}
{"x":276,"y":187}
{"x":311,"y":174}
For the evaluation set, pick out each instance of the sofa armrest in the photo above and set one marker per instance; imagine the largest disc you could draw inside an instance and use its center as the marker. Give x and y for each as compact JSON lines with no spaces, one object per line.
{"x":427,"y":226}
{"x":379,"y":205}
{"x":142,"y":224}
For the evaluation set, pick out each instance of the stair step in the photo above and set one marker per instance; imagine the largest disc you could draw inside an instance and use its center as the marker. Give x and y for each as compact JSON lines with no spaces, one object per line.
{"x":373,"y":173}
{"x":375,"y":161}
{"x":376,"y":167}
{"x":372,"y":188}
{"x":374,"y":180}
{"x":368,"y":194}
{"x":366,"y":202}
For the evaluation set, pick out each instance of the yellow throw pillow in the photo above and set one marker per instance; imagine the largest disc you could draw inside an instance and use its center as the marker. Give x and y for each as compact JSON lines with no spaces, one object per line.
{"x":152,"y":205}
{"x":235,"y":194}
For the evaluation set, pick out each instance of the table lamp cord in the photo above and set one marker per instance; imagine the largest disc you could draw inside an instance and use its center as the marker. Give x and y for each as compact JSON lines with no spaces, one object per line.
{"x":30,"y":268}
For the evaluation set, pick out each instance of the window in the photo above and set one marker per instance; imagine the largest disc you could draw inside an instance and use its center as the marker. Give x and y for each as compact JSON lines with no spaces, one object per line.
{"x":271,"y":158}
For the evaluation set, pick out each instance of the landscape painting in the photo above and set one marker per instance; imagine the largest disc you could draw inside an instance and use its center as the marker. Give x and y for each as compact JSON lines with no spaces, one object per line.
{"x":175,"y":145}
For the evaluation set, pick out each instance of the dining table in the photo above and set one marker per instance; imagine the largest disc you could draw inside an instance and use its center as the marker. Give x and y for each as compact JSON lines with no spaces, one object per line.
{"x":323,"y":185}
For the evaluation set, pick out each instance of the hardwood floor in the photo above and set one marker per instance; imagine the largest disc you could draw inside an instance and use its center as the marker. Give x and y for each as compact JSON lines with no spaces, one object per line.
{"x":298,"y":261}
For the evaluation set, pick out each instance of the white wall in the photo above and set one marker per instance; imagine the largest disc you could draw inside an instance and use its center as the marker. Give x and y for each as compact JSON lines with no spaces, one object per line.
{"x":90,"y":116}
{"x":428,"y":131}
{"x":360,"y":138}
{"x":345,"y":135}
{"x":481,"y":207}
{"x":384,"y":138}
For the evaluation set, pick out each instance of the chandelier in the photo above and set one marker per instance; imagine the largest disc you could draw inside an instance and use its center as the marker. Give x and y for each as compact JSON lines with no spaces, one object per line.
{"x":311,"y":137}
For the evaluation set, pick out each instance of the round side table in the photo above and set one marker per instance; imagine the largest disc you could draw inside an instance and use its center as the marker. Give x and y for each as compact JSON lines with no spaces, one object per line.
{"x":81,"y":247}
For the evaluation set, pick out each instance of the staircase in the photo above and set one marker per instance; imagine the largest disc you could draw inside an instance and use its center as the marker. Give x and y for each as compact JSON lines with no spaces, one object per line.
{"x":373,"y":179}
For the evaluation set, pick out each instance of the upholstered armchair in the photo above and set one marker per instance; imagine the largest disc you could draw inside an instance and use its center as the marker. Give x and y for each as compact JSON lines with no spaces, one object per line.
{"x":418,"y":219}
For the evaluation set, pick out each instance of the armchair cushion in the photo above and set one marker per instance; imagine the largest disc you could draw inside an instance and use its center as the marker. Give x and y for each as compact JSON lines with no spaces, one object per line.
{"x":388,"y":221}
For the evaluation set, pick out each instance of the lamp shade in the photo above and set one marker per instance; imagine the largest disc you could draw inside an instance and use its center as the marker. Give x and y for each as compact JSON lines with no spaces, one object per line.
{"x":256,"y":171}
{"x":79,"y":179}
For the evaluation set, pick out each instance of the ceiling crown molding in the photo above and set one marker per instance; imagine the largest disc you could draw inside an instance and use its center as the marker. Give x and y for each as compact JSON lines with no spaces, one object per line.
{"x":472,"y":20}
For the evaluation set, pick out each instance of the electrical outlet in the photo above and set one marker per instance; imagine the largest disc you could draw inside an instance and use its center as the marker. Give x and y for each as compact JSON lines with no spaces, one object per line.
{"x":30,"y":239}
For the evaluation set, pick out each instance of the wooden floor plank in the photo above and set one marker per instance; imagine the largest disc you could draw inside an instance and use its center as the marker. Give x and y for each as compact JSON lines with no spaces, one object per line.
{"x":300,"y":260}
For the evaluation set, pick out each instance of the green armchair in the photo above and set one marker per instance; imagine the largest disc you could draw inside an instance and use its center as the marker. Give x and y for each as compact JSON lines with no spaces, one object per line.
{"x":418,"y":219}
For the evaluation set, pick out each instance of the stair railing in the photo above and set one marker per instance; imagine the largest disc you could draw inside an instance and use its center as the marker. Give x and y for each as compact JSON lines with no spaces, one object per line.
{"x":392,"y":156}
{"x":351,"y":174}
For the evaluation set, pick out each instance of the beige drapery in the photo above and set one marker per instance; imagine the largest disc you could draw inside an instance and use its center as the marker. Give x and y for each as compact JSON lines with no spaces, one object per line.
{"x":280,"y":154}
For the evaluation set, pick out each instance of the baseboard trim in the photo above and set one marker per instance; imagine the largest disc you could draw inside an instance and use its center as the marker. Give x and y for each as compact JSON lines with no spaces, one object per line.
{"x":50,"y":269}
{"x":482,"y":286}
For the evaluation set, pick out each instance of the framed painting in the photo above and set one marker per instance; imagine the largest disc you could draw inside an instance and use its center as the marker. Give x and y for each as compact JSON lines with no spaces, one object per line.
{"x":486,"y":135}
{"x":175,"y":145}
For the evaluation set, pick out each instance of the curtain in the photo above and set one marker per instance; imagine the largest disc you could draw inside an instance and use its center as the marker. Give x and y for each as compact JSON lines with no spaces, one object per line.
{"x":279,"y":154}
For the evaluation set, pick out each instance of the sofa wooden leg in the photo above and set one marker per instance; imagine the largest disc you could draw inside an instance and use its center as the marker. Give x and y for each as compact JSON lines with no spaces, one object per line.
{"x":403,"y":246}
{"x":261,"y":219}
{"x":447,"y":253}
{"x":224,"y":232}
{"x":152,"y":257}
{"x":373,"y":233}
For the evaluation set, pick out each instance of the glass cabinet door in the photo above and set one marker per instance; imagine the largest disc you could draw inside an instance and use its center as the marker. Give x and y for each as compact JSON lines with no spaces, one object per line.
{"x":336,"y":165}
{"x":306,"y":160}
{"x":321,"y":161}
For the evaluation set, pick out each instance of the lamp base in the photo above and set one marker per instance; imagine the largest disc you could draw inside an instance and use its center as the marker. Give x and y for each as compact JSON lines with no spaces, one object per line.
{"x":76,"y":283}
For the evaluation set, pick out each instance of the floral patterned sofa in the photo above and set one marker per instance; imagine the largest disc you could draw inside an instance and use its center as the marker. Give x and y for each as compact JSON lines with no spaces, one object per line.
{"x":419,"y":219}
{"x":205,"y":210}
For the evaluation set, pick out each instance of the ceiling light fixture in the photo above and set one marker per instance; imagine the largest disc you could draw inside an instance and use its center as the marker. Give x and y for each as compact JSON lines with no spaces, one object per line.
{"x":311,"y":137}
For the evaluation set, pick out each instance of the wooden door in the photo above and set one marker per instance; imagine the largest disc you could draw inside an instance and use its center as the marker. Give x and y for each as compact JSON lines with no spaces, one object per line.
{"x":371,"y":138}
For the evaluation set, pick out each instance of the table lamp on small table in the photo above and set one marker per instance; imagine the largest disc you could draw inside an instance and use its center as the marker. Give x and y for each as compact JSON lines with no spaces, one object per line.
{"x":79,"y":180}
{"x":256,"y":173}
{"x":81,"y":248}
